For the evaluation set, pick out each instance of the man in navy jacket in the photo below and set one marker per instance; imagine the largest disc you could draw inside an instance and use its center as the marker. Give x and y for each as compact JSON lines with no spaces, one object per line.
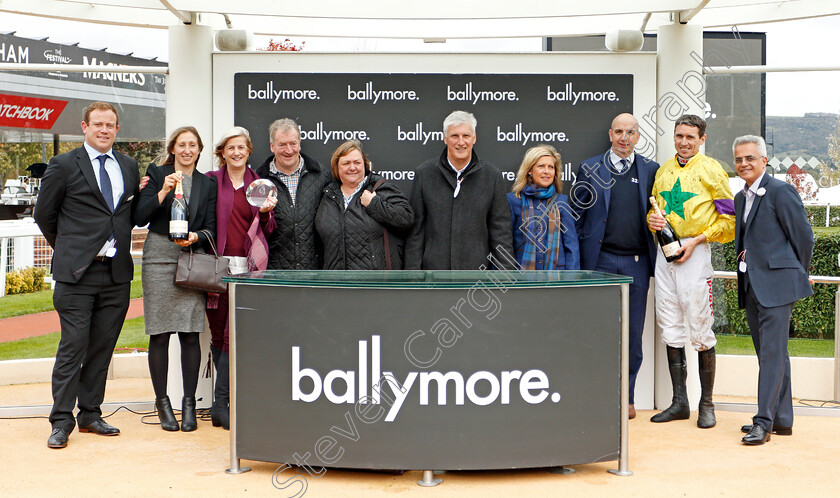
{"x":85,"y":211}
{"x":774,"y":244}
{"x":612,"y":232}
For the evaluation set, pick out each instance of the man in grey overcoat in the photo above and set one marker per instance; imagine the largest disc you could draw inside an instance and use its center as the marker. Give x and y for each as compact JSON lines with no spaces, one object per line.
{"x":774,"y":244}
{"x":461,"y":215}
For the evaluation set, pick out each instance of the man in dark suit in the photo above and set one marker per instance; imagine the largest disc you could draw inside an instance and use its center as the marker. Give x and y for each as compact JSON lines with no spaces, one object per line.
{"x":84,"y":210}
{"x":462,"y":218}
{"x":612,"y":233}
{"x":774,"y":244}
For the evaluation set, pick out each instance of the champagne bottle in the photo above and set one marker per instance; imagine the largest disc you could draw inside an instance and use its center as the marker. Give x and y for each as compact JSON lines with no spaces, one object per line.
{"x":179,"y":215}
{"x":667,"y":237}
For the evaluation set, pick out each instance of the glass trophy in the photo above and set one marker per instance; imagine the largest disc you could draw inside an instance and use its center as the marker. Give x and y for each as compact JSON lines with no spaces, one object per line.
{"x":259,"y":190}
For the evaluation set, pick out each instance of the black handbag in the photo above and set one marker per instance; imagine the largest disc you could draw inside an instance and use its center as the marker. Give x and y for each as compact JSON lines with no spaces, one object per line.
{"x":202,"y":271}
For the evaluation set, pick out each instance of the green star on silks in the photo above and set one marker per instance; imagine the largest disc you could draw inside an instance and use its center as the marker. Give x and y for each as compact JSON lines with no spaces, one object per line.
{"x":675,"y":198}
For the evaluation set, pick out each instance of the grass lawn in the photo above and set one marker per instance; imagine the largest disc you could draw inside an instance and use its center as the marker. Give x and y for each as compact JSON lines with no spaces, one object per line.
{"x":132,"y":337}
{"x":36,"y":302}
{"x":742,"y":344}
{"x":826,"y":230}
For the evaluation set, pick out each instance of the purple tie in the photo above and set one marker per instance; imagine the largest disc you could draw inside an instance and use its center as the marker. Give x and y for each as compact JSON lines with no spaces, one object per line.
{"x":105,"y":183}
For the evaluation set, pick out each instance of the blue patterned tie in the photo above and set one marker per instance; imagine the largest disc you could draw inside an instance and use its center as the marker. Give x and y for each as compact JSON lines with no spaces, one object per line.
{"x":624,"y":164}
{"x":105,"y":183}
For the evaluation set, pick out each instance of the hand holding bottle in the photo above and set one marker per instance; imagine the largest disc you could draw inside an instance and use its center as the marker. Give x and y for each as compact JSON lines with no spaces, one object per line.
{"x":665,"y":233}
{"x":656,"y":220}
{"x":169,"y":182}
{"x":193,"y":238}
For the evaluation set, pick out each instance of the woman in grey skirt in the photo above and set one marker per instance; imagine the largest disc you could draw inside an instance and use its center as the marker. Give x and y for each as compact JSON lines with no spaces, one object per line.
{"x":169,"y":308}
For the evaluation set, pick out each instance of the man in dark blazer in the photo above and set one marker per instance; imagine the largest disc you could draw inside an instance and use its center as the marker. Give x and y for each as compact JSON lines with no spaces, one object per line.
{"x":774,"y":244}
{"x":611,"y":228}
{"x":84,"y":210}
{"x":462,"y":218}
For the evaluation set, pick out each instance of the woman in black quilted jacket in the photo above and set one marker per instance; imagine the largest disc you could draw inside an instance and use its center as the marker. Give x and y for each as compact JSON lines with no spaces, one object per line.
{"x":361,"y":215}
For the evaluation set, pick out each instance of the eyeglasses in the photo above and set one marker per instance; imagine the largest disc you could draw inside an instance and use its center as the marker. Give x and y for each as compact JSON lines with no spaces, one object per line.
{"x":746,"y":159}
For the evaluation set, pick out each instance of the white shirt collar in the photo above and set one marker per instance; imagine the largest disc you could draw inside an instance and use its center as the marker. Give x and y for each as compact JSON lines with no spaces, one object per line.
{"x":93,"y":153}
{"x":616,"y":159}
{"x":273,"y":168}
{"x":457,"y":171}
{"x":755,"y":186}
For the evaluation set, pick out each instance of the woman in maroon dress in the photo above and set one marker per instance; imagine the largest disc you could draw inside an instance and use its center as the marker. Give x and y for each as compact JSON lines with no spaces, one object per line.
{"x":242,"y":230}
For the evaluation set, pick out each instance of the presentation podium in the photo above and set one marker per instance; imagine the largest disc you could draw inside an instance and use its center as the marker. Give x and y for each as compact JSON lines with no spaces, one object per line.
{"x":428,"y":370}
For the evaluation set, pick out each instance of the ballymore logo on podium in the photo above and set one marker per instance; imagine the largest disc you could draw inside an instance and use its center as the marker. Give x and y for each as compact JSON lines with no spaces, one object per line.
{"x":366,"y":385}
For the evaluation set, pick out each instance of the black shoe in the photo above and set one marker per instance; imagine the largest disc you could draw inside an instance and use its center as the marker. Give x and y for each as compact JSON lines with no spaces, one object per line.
{"x":188,"y":422}
{"x":777,"y":430}
{"x":756,"y":436}
{"x":220,"y":416}
{"x":101,"y":428}
{"x":168,"y":422}
{"x":58,"y":439}
{"x":679,"y":402}
{"x":220,"y":410}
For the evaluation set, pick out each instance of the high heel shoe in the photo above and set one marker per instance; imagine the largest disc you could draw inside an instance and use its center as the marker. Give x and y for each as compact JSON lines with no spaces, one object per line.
{"x":188,"y":422}
{"x":168,"y":422}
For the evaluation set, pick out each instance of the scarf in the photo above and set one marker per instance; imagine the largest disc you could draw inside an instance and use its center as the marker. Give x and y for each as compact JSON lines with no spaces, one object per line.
{"x":541,"y":227}
{"x":256,"y":245}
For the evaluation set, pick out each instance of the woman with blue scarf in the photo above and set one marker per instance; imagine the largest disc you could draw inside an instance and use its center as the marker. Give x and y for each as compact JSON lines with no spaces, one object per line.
{"x":544,"y":236}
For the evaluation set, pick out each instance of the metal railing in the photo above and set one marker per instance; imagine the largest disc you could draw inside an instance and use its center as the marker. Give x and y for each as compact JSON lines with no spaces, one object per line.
{"x":22,"y":246}
{"x":817,"y":279}
{"x":828,"y":205}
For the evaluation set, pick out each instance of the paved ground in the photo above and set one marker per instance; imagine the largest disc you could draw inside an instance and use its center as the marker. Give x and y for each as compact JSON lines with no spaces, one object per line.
{"x":21,"y":327}
{"x":673,"y":459}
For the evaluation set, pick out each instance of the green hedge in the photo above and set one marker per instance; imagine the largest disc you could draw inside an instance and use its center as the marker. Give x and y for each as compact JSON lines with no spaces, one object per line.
{"x":812,"y":317}
{"x":816,"y":215}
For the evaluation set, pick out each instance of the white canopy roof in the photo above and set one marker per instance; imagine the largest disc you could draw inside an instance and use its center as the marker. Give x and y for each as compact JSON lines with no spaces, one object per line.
{"x":429,"y":19}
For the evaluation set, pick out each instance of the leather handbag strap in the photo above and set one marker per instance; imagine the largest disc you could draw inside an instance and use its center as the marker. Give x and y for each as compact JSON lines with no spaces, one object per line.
{"x":385,"y":233}
{"x":209,"y":236}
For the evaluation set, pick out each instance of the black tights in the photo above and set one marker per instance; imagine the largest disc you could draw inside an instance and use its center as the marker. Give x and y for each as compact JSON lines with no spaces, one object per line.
{"x":159,"y":361}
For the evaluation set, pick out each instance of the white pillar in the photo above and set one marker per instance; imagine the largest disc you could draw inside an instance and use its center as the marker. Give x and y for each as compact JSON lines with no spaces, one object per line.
{"x":24,"y":251}
{"x":4,"y":250}
{"x":681,"y":88}
{"x":189,"y":101}
{"x":189,"y":85}
{"x":646,"y":380}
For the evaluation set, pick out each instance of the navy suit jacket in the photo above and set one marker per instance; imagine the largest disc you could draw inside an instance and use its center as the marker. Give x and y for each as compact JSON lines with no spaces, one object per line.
{"x":74,"y":218}
{"x":779,"y":242}
{"x":591,"y":214}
